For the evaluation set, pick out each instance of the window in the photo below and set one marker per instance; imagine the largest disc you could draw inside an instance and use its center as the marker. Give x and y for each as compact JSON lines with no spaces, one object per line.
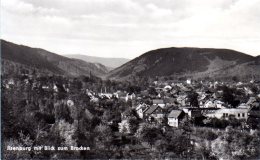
{"x":238,"y":114}
{"x":243,"y":114}
{"x":225,"y":114}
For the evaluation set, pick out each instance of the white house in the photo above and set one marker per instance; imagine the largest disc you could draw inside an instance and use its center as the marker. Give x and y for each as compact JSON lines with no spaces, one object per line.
{"x":140,"y":109}
{"x":70,"y":103}
{"x":167,"y":88}
{"x":219,"y":104}
{"x":122,"y":95}
{"x":55,"y":88}
{"x":239,"y":113}
{"x":11,"y":82}
{"x":188,"y":81}
{"x":209,"y":104}
{"x":174,"y":118}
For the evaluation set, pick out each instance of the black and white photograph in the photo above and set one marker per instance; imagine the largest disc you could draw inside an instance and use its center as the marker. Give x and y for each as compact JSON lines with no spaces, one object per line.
{"x":130,"y":79}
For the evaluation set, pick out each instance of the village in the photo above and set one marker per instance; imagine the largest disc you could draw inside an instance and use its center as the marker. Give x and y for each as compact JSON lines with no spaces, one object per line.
{"x":130,"y":113}
{"x":197,"y":102}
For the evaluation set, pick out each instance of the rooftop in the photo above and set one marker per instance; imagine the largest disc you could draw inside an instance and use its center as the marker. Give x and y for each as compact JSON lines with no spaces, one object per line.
{"x":175,"y":114}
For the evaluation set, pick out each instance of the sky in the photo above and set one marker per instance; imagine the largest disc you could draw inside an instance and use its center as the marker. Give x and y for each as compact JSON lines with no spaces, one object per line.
{"x":129,"y":28}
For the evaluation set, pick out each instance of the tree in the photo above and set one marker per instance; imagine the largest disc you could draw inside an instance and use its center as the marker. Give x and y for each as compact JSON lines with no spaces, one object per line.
{"x":150,"y":135}
{"x":134,"y":89}
{"x":67,"y":131}
{"x":234,"y":144}
{"x":124,"y":127}
{"x":161,"y":145}
{"x":103,"y":136}
{"x":235,"y":78}
{"x":152,"y":91}
{"x":134,"y":123}
{"x":193,"y":99}
{"x":228,"y":96}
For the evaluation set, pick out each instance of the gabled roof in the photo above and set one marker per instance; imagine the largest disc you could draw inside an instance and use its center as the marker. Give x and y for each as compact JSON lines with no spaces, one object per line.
{"x":175,"y":114}
{"x":151,"y":109}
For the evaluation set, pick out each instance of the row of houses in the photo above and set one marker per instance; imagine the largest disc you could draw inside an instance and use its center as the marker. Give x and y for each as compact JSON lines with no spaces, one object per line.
{"x":159,"y":111}
{"x":119,"y":95}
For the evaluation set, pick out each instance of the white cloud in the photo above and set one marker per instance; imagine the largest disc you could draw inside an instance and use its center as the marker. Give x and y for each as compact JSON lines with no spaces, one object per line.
{"x":127,"y":28}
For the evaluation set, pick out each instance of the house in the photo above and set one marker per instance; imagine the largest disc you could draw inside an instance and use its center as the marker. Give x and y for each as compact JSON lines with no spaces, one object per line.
{"x":94,"y":99}
{"x":140,"y":109}
{"x":216,"y":84}
{"x":155,"y":112}
{"x":167,"y":88}
{"x":11,"y":82}
{"x":181,"y":99}
{"x":45,"y":87}
{"x":105,"y":95}
{"x":121,"y":95}
{"x":70,"y":103}
{"x":159,"y":102}
{"x":209,"y":104}
{"x":58,"y":88}
{"x":89,"y":92}
{"x":130,"y":96}
{"x":203,"y":98}
{"x":188,"y":81}
{"x":175,"y":117}
{"x":219,"y":104}
{"x":55,"y":88}
{"x":239,"y":84}
{"x":248,"y":91}
{"x":239,"y":113}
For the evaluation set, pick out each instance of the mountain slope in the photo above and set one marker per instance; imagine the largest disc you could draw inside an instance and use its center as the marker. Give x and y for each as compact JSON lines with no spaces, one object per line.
{"x":257,"y":60}
{"x":108,"y":62}
{"x":44,"y":61}
{"x":200,"y":62}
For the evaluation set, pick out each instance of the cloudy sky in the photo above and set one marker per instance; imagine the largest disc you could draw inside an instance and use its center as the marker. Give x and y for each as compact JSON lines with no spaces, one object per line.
{"x":128,"y":28}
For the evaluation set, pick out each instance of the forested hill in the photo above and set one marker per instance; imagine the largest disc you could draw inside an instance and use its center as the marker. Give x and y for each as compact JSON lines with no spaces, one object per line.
{"x":16,"y":57}
{"x":190,"y":62}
